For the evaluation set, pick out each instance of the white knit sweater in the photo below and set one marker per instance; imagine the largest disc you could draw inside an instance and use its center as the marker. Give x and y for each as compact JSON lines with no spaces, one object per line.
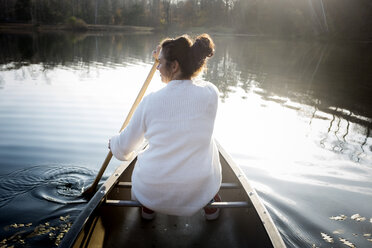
{"x":180,"y":172}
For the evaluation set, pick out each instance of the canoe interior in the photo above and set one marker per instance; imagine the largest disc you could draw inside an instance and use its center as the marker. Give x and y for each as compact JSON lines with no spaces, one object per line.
{"x":111,"y":226}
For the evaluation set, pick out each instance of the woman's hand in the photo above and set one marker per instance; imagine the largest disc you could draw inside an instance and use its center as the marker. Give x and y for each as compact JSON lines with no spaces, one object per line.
{"x":156,"y":52}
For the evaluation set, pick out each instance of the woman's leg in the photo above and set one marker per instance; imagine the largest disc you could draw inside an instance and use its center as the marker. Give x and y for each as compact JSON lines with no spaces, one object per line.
{"x":212,"y":213}
{"x":146,"y":213}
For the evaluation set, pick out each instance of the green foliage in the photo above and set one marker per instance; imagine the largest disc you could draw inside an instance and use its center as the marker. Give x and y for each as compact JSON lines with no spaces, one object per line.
{"x":340,"y":18}
{"x":76,"y":24}
{"x":135,"y":15}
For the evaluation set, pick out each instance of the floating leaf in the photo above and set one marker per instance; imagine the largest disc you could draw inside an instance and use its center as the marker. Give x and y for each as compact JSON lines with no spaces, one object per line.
{"x":340,"y":217}
{"x":370,"y":240}
{"x":58,"y":239}
{"x":327,"y":238}
{"x":370,"y":220}
{"x":338,"y":232}
{"x":347,"y":243}
{"x":64,"y":218}
{"x":53,"y":232}
{"x":357,"y":217}
{"x":354,"y":216}
{"x":366,"y":235}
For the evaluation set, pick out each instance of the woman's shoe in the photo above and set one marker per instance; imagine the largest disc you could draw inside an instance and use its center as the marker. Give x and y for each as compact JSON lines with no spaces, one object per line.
{"x":147,"y":214}
{"x":212,"y":213}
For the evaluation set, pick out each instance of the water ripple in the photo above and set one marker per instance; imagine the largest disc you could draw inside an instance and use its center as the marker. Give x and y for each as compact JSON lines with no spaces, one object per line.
{"x":60,"y":184}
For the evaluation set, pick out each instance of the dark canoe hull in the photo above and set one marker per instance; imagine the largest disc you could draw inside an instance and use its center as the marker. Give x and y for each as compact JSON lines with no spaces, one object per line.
{"x":104,"y":225}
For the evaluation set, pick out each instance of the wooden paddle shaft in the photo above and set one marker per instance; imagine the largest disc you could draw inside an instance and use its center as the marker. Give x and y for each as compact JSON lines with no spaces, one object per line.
{"x":140,"y":95}
{"x":129,"y":116}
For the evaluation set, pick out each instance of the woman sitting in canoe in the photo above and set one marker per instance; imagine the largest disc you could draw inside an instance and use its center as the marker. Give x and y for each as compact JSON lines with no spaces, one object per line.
{"x":180,"y":172}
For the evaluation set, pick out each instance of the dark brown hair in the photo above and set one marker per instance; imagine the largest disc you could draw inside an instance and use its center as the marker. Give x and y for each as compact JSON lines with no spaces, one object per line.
{"x":191,"y":56}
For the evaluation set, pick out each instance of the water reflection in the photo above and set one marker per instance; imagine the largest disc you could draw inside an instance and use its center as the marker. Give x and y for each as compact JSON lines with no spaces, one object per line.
{"x":73,"y":50}
{"x":316,"y":74}
{"x":328,"y":77}
{"x":333,"y":79}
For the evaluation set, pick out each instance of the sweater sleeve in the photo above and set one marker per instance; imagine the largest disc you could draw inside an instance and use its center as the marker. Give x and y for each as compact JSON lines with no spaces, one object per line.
{"x":123,"y":144}
{"x":214,"y":96}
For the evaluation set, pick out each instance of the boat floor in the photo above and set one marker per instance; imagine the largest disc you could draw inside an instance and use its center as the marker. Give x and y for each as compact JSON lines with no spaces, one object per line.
{"x":124,"y":227}
{"x":113,"y":226}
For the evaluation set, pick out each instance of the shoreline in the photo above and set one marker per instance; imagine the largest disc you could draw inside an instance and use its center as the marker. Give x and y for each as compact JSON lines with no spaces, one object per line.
{"x":91,"y":29}
{"x":28,"y":27}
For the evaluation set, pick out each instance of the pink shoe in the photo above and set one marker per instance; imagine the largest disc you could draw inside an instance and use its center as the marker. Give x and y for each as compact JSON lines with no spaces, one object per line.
{"x":147,"y":214}
{"x":210,"y":212}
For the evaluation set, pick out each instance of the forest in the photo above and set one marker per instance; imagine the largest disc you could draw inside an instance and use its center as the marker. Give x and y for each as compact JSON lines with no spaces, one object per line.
{"x":334,"y":18}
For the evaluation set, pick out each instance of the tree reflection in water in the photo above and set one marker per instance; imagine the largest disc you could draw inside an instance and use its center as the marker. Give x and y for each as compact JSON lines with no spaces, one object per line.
{"x":332,"y":78}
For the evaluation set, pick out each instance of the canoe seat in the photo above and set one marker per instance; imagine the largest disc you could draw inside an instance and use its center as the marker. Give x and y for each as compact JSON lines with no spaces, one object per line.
{"x":126,"y":203}
{"x":223,"y":185}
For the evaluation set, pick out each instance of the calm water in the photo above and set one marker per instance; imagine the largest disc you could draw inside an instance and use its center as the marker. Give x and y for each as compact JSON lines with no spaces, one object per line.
{"x":295,"y":115}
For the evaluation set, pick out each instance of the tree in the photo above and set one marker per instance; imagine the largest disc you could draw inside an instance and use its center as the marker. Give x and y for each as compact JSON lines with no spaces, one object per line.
{"x":23,"y":10}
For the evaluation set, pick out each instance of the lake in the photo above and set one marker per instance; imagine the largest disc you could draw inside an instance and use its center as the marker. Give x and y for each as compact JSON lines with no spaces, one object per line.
{"x":295,"y":115}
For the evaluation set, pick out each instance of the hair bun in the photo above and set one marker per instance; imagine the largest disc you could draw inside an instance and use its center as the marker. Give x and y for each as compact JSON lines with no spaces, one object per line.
{"x":191,"y":56}
{"x":203,"y":46}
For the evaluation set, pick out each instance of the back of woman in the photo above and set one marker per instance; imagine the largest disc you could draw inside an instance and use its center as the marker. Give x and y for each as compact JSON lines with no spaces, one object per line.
{"x":180,"y":171}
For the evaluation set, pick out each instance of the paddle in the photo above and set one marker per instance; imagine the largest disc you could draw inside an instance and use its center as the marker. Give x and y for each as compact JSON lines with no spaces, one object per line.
{"x":89,"y":191}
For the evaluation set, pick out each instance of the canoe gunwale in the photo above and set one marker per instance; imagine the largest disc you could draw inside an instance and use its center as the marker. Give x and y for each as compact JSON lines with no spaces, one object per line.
{"x":264,"y":215}
{"x":97,"y":199}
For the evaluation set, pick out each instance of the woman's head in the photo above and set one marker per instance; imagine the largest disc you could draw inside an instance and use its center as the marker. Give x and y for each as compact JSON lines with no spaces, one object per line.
{"x":182,"y":58}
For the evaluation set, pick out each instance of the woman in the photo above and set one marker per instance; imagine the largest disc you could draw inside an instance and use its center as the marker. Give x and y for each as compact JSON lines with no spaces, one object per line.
{"x":180,"y":171}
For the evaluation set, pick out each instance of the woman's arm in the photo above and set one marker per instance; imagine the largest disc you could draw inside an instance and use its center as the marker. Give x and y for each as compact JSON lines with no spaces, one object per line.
{"x":123,"y":144}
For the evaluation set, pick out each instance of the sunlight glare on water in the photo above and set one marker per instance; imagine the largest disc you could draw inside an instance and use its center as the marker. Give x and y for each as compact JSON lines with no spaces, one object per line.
{"x":74,"y":108}
{"x":272,"y":133}
{"x":281,"y":152}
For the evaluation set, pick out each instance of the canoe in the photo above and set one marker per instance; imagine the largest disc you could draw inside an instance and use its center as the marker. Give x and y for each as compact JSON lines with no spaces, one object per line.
{"x":111,"y":219}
